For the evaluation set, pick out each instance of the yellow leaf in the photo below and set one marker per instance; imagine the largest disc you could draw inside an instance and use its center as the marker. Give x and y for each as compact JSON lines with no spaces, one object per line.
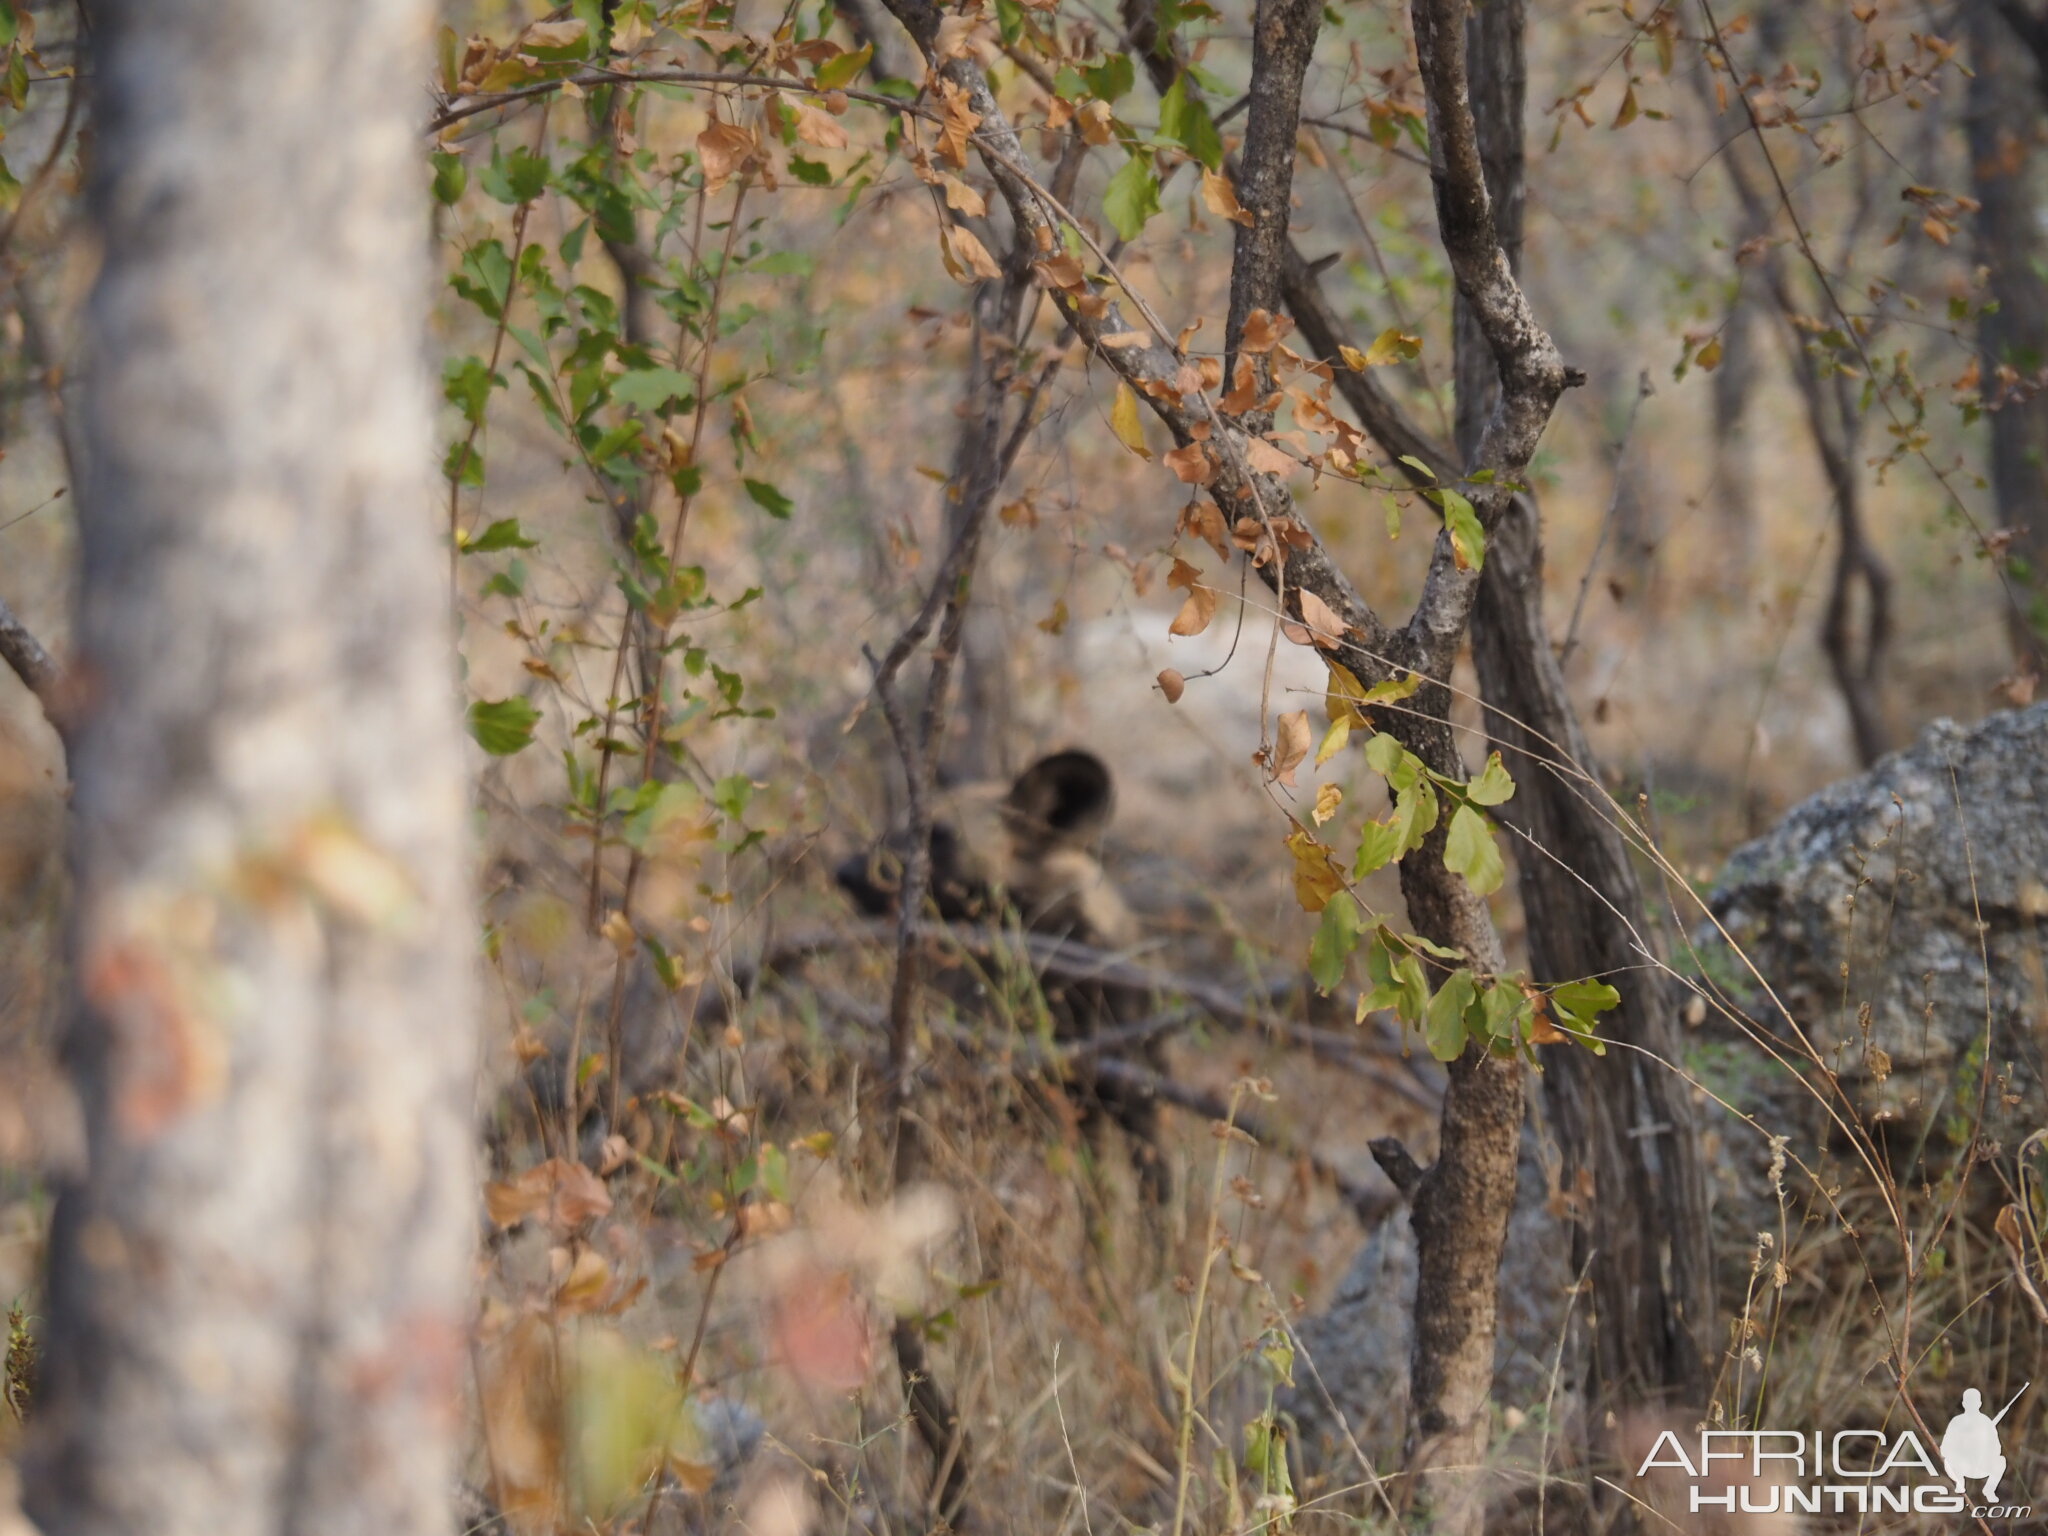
{"x":1627,"y":114}
{"x":1328,"y":796}
{"x":1393,"y":689}
{"x":1124,"y":419}
{"x":1709,"y":357}
{"x":1393,"y":345}
{"x":585,"y":1283}
{"x":1316,"y":878}
{"x":1346,"y":694}
{"x":1334,"y":740}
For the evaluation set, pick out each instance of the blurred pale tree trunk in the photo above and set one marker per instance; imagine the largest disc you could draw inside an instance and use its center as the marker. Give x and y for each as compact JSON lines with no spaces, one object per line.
{"x":257,"y":1282}
{"x":2004,"y":120}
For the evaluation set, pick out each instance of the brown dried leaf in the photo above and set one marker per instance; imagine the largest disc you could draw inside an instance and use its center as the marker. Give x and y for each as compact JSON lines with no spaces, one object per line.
{"x":960,"y":121}
{"x":564,"y":1194}
{"x":724,"y":148}
{"x":1266,"y":459}
{"x":1191,"y":464}
{"x":819,"y":128}
{"x":1196,"y":612}
{"x":552,"y":34}
{"x":1263,"y":330}
{"x":1320,"y":626}
{"x":1290,"y":746}
{"x":1220,"y":198}
{"x":1063,"y":271}
{"x":972,"y":253}
{"x":960,"y":197}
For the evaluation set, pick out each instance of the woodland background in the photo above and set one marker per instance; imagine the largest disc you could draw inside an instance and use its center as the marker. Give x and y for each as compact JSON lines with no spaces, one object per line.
{"x":706,"y":350}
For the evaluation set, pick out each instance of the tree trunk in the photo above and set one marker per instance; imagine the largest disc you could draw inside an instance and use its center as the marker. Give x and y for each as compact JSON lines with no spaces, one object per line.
{"x":2004,"y":115}
{"x":258,"y":1282}
{"x":1624,"y":1122}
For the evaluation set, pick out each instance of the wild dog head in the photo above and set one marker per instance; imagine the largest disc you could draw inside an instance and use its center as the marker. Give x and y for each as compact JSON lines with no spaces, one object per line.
{"x":1028,"y":846}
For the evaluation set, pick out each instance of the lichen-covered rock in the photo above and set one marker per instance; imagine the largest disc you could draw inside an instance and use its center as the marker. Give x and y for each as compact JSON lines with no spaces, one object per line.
{"x":1861,"y":912}
{"x":1897,"y":918}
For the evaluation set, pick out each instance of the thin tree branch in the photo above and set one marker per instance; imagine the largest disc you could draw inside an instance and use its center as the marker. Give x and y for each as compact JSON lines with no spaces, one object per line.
{"x":29,"y":661}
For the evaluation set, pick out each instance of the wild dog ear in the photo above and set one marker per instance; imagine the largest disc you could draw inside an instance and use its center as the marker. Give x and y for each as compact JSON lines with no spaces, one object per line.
{"x":1068,"y":794}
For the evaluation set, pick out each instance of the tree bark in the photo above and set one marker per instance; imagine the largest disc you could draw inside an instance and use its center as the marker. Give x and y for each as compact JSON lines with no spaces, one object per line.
{"x":258,"y":1283}
{"x":2004,"y":115}
{"x":1624,"y":1123}
{"x":1461,"y":1205}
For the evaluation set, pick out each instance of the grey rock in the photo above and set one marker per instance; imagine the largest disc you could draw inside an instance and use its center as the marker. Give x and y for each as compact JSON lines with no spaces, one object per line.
{"x":1861,"y":911}
{"x":1879,"y":879}
{"x":1356,"y":1350}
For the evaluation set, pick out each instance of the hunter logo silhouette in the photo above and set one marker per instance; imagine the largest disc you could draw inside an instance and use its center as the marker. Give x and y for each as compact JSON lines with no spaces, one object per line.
{"x":1970,"y":1448}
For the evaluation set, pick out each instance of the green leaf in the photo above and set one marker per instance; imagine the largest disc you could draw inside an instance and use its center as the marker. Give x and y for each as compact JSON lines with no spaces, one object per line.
{"x":1413,"y":818}
{"x":785,"y":264}
{"x":1471,"y":851}
{"x":519,"y":177}
{"x":768,"y":498}
{"x":1497,"y":1009}
{"x":1112,"y":78}
{"x":654,"y":806}
{"x":1396,"y":977}
{"x":844,"y":69}
{"x":1443,"y":1025}
{"x":1388,"y":757}
{"x":731,"y":794}
{"x":1584,"y":1000}
{"x":1493,"y":784}
{"x":504,"y":726}
{"x":775,"y":1172}
{"x":463,"y":463}
{"x":649,"y":389}
{"x":505,"y":533}
{"x":1336,"y":937}
{"x":467,"y":384}
{"x":451,"y":176}
{"x":486,"y":278}
{"x":1184,"y":119}
{"x":1379,"y":844}
{"x":810,"y":172}
{"x":1131,"y":198}
{"x":1468,"y":539}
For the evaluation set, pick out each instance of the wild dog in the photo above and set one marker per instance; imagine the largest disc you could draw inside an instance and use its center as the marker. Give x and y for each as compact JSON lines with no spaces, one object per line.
{"x":1029,"y":848}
